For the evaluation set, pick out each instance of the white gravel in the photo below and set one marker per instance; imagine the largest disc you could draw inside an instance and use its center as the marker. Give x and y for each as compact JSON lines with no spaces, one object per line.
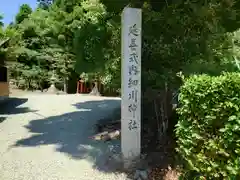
{"x":46,"y":137}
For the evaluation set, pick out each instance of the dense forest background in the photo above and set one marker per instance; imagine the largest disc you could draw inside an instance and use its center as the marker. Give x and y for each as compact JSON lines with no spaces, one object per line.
{"x":72,"y":38}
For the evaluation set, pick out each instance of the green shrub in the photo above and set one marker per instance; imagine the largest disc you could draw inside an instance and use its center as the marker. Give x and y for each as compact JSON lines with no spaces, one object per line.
{"x":208,"y":130}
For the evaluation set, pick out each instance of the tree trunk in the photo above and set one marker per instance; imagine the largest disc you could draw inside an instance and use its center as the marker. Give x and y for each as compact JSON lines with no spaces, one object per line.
{"x":65,"y":85}
{"x":40,"y":86}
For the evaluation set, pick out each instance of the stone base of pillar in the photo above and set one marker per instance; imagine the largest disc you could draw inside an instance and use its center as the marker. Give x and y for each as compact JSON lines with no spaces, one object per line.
{"x":130,"y":164}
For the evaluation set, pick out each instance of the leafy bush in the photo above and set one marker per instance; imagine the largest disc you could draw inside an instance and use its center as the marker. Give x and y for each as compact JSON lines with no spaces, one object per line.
{"x":208,"y":130}
{"x":26,"y":77}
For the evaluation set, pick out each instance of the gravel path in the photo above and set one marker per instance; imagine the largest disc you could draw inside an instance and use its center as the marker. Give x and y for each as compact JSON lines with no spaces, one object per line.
{"x":46,"y":137}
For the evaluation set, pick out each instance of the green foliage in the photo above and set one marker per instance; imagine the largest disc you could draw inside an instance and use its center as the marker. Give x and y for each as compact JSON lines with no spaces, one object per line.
{"x":1,"y":27}
{"x":27,"y":77}
{"x":97,"y":44}
{"x":190,"y":33}
{"x":92,"y":37}
{"x":208,"y":131}
{"x":84,"y":36}
{"x":44,"y":4}
{"x":42,"y":44}
{"x":67,"y":5}
{"x":23,"y":13}
{"x":184,"y":36}
{"x":1,"y":23}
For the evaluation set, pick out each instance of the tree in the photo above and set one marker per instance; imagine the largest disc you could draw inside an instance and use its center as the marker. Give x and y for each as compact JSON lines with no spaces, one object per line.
{"x":1,"y":23}
{"x":1,"y":27}
{"x":182,"y":33}
{"x":24,"y":11}
{"x":184,"y":36}
{"x":44,"y":4}
{"x":45,"y":43}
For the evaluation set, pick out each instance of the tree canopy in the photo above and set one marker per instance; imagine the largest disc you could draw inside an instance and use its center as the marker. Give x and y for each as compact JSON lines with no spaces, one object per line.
{"x":65,"y":36}
{"x":1,"y":23}
{"x":24,"y":11}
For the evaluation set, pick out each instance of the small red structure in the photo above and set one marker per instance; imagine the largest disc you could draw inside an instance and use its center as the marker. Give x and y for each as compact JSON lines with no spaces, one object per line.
{"x":85,"y":87}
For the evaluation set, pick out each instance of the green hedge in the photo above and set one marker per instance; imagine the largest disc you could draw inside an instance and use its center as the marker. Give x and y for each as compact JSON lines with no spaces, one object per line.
{"x":208,"y":130}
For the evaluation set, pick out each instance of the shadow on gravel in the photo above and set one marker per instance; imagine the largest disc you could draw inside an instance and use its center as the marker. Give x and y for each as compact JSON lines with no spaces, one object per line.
{"x":71,"y":134}
{"x":2,"y":119}
{"x":11,"y":106}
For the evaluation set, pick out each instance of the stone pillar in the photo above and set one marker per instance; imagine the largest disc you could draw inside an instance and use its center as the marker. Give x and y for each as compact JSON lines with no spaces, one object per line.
{"x":131,"y":85}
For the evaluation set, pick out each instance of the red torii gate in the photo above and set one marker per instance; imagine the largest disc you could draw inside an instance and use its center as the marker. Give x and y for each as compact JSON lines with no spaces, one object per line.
{"x":84,"y":87}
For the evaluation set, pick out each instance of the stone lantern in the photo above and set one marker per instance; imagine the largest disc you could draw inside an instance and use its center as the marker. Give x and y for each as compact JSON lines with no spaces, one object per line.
{"x":95,"y":91}
{"x":52,"y":88}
